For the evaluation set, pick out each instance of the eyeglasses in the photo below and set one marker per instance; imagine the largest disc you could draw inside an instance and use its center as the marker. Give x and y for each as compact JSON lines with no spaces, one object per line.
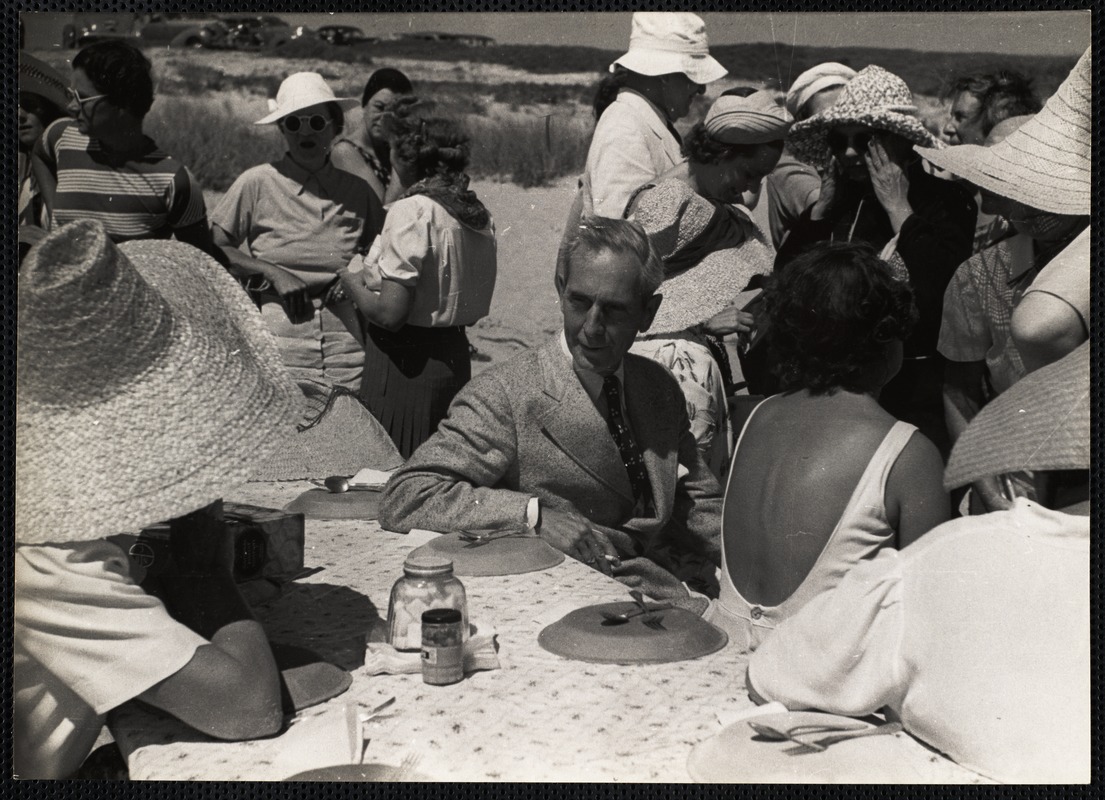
{"x":859,"y":141}
{"x":74,"y":97}
{"x":315,"y":122}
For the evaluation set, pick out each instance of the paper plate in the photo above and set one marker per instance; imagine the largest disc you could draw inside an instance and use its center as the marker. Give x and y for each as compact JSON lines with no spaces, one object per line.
{"x":510,"y":555}
{"x":323,"y":504}
{"x":740,"y":755}
{"x":357,"y":772}
{"x":581,"y":636}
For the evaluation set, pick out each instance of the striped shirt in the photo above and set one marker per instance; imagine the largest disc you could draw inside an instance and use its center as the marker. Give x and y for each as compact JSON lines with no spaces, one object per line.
{"x":146,"y":197}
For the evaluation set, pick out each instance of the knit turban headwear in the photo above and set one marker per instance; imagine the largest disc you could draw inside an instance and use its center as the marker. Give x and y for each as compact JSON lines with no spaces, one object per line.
{"x":816,"y":79}
{"x":747,"y":120}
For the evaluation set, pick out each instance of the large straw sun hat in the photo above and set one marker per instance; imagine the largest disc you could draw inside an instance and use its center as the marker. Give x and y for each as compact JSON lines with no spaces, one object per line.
{"x":146,"y":385}
{"x":1044,"y":164}
{"x":874,"y":98}
{"x":695,"y":289}
{"x":663,"y":42}
{"x":1040,"y":423}
{"x":303,"y":90}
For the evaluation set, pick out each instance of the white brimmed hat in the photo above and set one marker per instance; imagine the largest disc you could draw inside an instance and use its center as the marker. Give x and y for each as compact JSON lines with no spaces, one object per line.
{"x":875,"y":98}
{"x":146,"y":387}
{"x":1040,"y":423}
{"x":303,"y":90}
{"x":1045,"y":163}
{"x":663,"y":42}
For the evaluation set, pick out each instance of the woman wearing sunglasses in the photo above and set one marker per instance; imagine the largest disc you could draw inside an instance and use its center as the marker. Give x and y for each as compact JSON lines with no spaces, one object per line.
{"x":293,"y":223}
{"x":876,"y":190}
{"x":107,"y":168}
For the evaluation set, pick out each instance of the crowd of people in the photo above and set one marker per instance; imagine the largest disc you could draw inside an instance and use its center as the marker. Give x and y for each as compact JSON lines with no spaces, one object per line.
{"x":823,"y":378}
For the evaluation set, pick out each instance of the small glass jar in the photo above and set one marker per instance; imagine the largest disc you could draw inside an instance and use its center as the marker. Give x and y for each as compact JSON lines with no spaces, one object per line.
{"x":427,"y":583}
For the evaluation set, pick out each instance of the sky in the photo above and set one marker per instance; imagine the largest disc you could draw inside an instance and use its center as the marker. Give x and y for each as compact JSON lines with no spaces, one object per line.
{"x":1028,"y":33}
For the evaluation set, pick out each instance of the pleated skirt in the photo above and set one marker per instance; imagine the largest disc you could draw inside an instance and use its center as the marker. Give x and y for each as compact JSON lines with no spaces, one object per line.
{"x":410,"y":378}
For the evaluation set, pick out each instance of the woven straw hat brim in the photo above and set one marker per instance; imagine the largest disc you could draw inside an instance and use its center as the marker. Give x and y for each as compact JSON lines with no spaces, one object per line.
{"x":808,"y":140}
{"x":1040,"y":423}
{"x":190,"y":423}
{"x":342,"y":440}
{"x":40,"y":78}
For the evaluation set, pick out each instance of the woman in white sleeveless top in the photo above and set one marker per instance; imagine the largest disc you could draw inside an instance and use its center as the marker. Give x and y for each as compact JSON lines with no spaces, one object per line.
{"x":822,"y":477}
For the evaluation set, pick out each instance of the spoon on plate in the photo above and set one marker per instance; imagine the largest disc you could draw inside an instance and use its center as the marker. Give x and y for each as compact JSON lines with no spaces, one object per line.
{"x":830,"y":734}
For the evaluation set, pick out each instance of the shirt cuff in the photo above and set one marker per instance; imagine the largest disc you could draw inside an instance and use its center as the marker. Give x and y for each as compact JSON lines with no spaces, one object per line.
{"x":533,"y":513}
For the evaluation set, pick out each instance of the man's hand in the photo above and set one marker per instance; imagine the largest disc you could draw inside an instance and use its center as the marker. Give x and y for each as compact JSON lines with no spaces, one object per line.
{"x":889,"y":182}
{"x":293,"y":296}
{"x":571,"y":533}
{"x":730,"y":320}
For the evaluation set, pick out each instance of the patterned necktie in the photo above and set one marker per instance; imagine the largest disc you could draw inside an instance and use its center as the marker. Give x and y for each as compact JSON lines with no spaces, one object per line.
{"x":627,"y":447}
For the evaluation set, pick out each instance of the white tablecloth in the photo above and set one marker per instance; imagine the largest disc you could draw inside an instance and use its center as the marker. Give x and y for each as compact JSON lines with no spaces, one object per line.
{"x":538,"y":718}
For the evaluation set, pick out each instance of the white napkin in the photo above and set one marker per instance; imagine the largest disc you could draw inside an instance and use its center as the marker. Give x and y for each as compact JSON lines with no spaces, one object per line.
{"x":481,"y":652}
{"x":370,"y":478}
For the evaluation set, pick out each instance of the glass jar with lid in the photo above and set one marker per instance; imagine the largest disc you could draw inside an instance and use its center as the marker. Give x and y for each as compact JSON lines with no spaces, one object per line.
{"x":427,"y":583}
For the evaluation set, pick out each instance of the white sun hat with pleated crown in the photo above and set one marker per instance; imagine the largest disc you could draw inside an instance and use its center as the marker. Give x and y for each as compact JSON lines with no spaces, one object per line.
{"x":662,"y":42}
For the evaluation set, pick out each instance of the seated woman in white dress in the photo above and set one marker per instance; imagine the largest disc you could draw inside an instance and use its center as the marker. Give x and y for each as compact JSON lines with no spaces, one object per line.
{"x":823,"y":477}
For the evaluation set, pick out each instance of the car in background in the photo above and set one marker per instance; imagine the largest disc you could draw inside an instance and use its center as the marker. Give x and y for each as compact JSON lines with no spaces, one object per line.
{"x":227,"y":32}
{"x":261,"y":31}
{"x":343,"y":34}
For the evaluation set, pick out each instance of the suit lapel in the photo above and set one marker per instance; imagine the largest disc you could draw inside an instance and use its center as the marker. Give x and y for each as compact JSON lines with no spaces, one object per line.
{"x":574,"y":425}
{"x":655,"y":431}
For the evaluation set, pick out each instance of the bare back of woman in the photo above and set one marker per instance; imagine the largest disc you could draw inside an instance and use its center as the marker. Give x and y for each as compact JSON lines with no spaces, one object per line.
{"x":794,"y":474}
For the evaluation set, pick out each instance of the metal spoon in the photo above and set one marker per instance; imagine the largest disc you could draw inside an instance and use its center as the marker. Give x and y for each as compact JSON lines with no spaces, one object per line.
{"x":831,"y":733}
{"x":609,"y":618}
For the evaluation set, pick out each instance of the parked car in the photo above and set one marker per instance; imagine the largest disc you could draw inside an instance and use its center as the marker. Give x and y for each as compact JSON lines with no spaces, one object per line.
{"x":261,"y":31}
{"x":343,"y":34}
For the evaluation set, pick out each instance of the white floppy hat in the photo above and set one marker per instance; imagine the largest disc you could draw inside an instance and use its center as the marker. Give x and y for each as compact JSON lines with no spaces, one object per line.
{"x":303,"y":90}
{"x":146,"y":385}
{"x":1045,"y":163}
{"x":662,"y":42}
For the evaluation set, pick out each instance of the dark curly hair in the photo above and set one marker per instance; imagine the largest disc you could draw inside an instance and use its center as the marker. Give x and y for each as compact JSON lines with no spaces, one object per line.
{"x":831,"y":311}
{"x":435,"y":146}
{"x":120,"y":71}
{"x":701,"y":148}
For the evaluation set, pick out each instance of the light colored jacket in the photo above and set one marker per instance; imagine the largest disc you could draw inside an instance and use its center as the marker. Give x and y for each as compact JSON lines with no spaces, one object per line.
{"x":631,"y":146}
{"x":528,"y":429}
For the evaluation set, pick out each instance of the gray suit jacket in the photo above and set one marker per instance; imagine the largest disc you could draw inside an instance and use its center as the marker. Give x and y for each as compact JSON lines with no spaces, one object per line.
{"x":529,"y":429}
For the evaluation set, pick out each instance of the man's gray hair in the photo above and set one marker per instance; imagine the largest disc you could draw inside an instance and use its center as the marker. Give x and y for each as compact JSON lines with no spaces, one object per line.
{"x":595,"y":234}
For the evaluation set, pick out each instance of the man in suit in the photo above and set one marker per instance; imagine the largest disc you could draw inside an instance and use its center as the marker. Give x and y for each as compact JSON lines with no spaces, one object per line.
{"x":577,"y":440}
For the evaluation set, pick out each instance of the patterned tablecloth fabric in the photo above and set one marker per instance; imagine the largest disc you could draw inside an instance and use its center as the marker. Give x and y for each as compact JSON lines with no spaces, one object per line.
{"x":538,"y":718}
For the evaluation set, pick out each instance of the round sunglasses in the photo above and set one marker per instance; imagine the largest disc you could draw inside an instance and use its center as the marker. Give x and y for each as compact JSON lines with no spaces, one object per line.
{"x":316,"y":122}
{"x":839,"y":141}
